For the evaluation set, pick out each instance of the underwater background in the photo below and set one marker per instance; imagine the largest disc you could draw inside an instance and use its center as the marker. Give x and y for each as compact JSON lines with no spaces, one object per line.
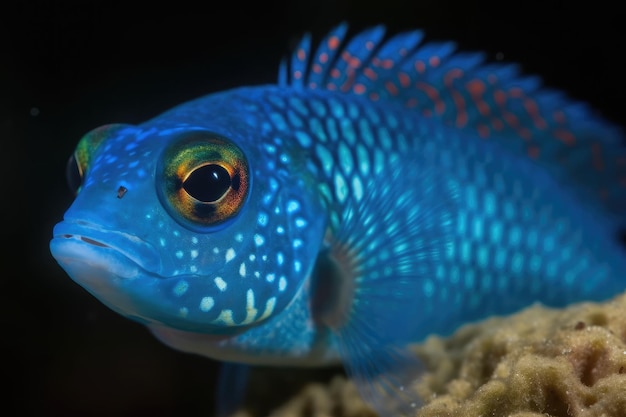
{"x":69,"y":66}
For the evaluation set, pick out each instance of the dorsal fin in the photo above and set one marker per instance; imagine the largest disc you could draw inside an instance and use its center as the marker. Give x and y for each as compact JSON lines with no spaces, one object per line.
{"x":459,"y":89}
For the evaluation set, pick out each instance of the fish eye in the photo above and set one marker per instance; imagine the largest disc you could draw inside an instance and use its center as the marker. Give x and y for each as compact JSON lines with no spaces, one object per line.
{"x":205,"y":180}
{"x":80,"y":161}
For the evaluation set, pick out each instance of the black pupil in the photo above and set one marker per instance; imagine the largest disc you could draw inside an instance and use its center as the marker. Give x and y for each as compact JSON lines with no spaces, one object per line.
{"x":208,"y":183}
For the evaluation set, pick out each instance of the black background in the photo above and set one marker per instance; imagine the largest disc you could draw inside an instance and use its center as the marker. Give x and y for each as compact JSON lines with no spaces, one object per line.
{"x":69,"y":66}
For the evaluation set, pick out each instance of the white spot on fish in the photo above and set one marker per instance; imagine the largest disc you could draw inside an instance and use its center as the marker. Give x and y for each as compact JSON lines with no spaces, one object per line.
{"x":292,"y":206}
{"x":194,"y":240}
{"x":269,"y":308}
{"x":251,"y":312}
{"x":181,"y":288}
{"x":279,"y":258}
{"x":230,"y":254}
{"x":282,"y":284}
{"x":179,"y":254}
{"x":280,"y":230}
{"x":239,"y":237}
{"x":216,"y":250}
{"x":193,"y":253}
{"x":270,"y":277}
{"x":252,"y":257}
{"x":300,"y":222}
{"x":226,"y":317}
{"x":183,"y":311}
{"x":258,"y":240}
{"x":206,"y":304}
{"x":220,"y":283}
{"x":242,"y":269}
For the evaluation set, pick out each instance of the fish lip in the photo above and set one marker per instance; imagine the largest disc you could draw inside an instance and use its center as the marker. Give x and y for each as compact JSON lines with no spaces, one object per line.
{"x":99,"y":239}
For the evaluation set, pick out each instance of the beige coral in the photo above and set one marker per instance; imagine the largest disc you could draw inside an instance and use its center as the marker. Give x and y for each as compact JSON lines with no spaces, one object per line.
{"x":538,"y":362}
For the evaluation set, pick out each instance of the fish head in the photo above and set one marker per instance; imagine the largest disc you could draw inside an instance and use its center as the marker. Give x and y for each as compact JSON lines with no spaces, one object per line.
{"x":187,"y":227}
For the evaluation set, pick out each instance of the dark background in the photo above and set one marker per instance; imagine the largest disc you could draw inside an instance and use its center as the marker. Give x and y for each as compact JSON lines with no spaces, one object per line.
{"x":69,"y":66}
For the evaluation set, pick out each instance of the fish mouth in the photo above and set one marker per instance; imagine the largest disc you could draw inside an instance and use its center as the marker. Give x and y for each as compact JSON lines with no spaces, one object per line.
{"x":79,"y":242}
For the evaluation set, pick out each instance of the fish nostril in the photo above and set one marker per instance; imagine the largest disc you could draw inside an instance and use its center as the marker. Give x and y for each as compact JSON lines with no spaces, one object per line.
{"x":121,"y":191}
{"x":93,"y":242}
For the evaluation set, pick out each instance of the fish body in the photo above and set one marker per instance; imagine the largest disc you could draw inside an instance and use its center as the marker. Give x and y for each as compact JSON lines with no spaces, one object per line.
{"x":380,"y":192}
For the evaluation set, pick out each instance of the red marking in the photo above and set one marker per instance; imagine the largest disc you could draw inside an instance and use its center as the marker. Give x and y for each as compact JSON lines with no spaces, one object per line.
{"x":350,"y":60}
{"x":412,"y":102}
{"x":533,"y":111}
{"x":420,"y":67}
{"x":433,"y":94}
{"x":374,"y":96}
{"x":331,"y":86}
{"x":483,"y":130}
{"x":404,"y":79}
{"x":511,"y":119}
{"x":301,"y":54}
{"x":323,"y":57}
{"x":533,"y":151}
{"x":349,"y":81}
{"x":387,"y":63}
{"x":376,"y":61}
{"x":312,"y":85}
{"x":434,"y":61}
{"x":317,"y":68}
{"x":500,"y":97}
{"x":370,"y":73}
{"x":483,"y":107}
{"x":335,"y":73}
{"x":596,"y":156}
{"x":297,"y":75}
{"x":530,"y":105}
{"x":359,"y":88}
{"x":565,"y":136}
{"x":402,"y":52}
{"x":459,"y":101}
{"x":333,"y":42}
{"x":393,"y":90}
{"x":559,"y":117}
{"x":492,"y":79}
{"x":369,"y":45}
{"x":475,"y":87}
{"x":427,"y":112}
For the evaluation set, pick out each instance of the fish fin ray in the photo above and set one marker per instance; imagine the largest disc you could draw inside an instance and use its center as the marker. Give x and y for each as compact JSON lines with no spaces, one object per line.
{"x":386,"y":254}
{"x":564,"y":136}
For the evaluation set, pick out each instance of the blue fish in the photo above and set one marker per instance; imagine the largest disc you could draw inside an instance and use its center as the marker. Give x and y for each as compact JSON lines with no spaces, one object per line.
{"x":383,"y":190}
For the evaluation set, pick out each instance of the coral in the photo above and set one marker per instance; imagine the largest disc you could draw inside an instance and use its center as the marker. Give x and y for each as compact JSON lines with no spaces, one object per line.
{"x":538,"y":362}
